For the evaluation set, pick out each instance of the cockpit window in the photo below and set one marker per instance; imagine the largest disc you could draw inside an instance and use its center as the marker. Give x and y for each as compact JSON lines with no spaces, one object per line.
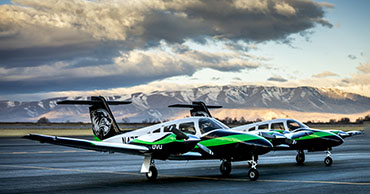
{"x":187,"y":128}
{"x":293,"y":125}
{"x":206,"y":125}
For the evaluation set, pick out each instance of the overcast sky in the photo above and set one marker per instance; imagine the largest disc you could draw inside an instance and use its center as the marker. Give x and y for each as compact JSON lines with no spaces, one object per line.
{"x":52,"y":48}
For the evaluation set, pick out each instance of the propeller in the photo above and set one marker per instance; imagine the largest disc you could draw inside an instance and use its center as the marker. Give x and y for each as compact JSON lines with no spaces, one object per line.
{"x":179,"y":134}
{"x":205,"y":149}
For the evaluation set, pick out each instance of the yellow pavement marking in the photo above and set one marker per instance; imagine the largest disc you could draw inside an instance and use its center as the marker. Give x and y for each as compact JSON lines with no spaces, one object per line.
{"x":47,"y":152}
{"x":193,"y":177}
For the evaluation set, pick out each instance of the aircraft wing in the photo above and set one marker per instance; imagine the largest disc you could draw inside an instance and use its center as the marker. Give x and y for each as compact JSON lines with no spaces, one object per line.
{"x":187,"y":156}
{"x":345,"y":134}
{"x":89,"y":145}
{"x":352,"y":133}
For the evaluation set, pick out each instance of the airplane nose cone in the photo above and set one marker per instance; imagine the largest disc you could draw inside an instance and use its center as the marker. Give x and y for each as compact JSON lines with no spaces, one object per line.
{"x":338,"y":140}
{"x":260,"y":145}
{"x":334,"y":140}
{"x":265,"y":143}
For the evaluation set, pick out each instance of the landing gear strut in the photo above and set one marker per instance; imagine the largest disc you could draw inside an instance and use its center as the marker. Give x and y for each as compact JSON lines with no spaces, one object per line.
{"x":328,"y":161}
{"x":300,"y":157}
{"x":253,"y":172}
{"x":225,"y":167}
{"x":255,"y":159}
{"x":149,"y":168}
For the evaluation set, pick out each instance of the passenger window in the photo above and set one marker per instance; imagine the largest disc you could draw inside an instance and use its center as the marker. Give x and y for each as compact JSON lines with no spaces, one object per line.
{"x":157,"y":130}
{"x":265,"y":126}
{"x":167,"y":128}
{"x":252,"y":129}
{"x":187,"y":128}
{"x":278,"y":126}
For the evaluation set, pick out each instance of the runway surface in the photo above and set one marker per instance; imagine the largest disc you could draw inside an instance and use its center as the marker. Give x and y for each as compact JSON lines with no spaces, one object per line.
{"x":30,"y":167}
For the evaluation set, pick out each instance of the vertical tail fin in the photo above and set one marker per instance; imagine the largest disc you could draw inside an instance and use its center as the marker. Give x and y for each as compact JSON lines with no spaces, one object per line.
{"x":198,"y":108}
{"x":103,"y":123}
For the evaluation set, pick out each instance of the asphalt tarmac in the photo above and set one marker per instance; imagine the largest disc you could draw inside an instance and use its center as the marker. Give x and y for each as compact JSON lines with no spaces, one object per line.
{"x":30,"y":167}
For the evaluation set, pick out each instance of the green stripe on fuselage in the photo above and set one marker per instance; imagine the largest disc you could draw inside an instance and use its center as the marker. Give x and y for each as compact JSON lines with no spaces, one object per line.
{"x":96,"y":138}
{"x":169,"y":139}
{"x":317,"y":134}
{"x":228,"y":140}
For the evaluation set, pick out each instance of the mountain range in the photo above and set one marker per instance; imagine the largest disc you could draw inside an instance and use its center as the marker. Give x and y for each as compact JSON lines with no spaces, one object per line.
{"x":250,"y":102}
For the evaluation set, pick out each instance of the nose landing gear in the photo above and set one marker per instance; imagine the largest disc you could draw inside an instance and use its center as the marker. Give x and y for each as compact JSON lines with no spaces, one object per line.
{"x":253,"y":173}
{"x":328,"y":161}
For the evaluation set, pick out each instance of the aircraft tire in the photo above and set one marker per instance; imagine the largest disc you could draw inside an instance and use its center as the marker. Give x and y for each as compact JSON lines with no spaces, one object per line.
{"x":225,"y":168}
{"x":253,"y":174}
{"x":328,"y":161}
{"x":300,"y":158}
{"x":152,"y":174}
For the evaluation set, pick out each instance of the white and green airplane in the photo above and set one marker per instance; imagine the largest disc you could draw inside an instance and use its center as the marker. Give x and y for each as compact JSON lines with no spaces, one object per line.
{"x":192,"y":138}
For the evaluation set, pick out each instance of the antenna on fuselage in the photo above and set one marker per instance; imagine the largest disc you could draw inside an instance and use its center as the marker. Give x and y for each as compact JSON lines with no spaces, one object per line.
{"x":198,"y":108}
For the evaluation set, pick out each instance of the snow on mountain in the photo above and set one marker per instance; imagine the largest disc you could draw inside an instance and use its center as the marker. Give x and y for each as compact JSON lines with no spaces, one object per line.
{"x":154,"y":106}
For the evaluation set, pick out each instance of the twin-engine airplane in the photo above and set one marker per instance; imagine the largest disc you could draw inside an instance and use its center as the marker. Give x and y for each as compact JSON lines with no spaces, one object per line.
{"x":285,"y":134}
{"x":303,"y":137}
{"x":193,"y":138}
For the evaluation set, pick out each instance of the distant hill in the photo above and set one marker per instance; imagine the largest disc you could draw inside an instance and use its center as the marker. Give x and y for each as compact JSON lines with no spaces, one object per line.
{"x":251,"y":102}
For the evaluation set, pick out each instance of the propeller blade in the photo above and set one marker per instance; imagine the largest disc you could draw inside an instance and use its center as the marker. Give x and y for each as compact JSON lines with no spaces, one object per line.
{"x":179,"y":134}
{"x":205,"y":149}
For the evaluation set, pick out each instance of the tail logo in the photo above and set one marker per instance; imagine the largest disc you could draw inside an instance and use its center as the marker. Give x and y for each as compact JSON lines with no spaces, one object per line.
{"x":102,"y":123}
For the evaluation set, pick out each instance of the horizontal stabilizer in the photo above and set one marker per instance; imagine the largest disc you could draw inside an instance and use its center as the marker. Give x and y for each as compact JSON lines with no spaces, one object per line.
{"x":92,"y":102}
{"x":198,"y":108}
{"x":191,"y":106}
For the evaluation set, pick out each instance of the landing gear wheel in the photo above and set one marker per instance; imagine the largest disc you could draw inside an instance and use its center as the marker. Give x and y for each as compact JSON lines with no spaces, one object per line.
{"x":253,"y":174}
{"x":225,"y":168}
{"x":152,"y":174}
{"x":300,"y":158}
{"x":328,"y":161}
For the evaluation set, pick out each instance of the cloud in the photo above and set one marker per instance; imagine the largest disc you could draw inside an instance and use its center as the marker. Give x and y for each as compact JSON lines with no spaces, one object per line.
{"x":86,"y":45}
{"x":277,"y":79}
{"x":364,"y":68}
{"x":284,"y":9}
{"x":353,"y":57}
{"x":131,"y":68}
{"x":81,"y":28}
{"x":325,"y":74}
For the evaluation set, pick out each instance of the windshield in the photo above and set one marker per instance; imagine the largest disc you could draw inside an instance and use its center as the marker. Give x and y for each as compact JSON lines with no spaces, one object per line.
{"x":206,"y":125}
{"x":292,"y":125}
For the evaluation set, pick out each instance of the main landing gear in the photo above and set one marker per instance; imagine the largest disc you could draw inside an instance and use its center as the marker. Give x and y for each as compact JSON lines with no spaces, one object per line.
{"x":225,"y":167}
{"x":153,"y":173}
{"x":149,"y":168}
{"x":300,"y":157}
